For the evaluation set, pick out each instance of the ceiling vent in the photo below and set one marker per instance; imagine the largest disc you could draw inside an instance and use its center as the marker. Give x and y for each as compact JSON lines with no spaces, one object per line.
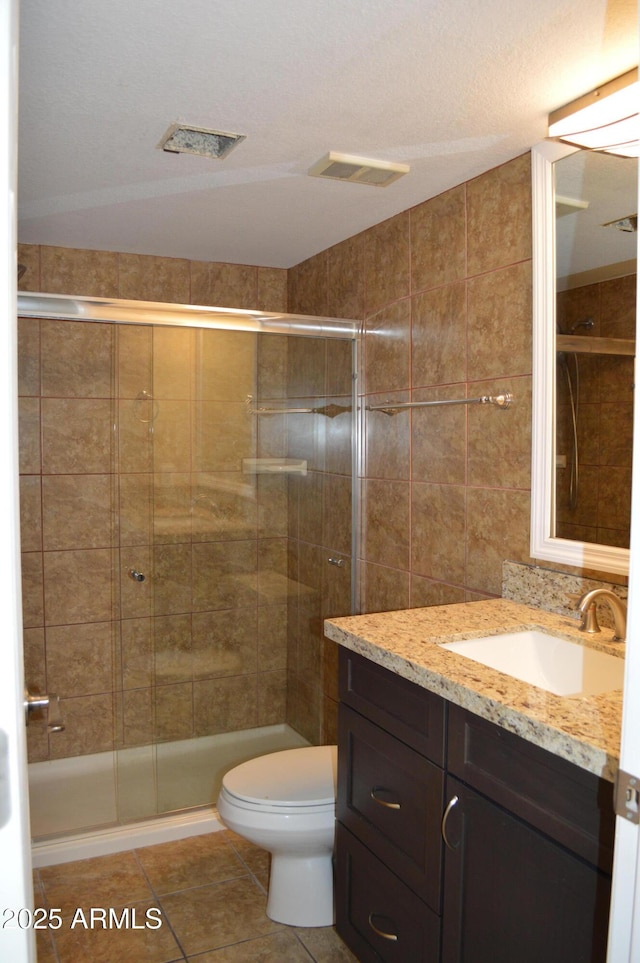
{"x":198,"y":140}
{"x":628,"y":224}
{"x":358,"y":170}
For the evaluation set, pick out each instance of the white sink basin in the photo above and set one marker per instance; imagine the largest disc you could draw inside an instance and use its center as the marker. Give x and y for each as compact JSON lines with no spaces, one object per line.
{"x":565,"y":668}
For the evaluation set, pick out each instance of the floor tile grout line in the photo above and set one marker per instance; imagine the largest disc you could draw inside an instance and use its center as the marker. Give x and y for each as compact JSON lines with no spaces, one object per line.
{"x":253,"y":875}
{"x":54,"y":946}
{"x":186,"y":889}
{"x":212,"y":949}
{"x":158,"y":900}
{"x":304,"y":947}
{"x":41,"y":895}
{"x":189,"y":889}
{"x":159,"y":897}
{"x":124,"y":901}
{"x":154,"y":896}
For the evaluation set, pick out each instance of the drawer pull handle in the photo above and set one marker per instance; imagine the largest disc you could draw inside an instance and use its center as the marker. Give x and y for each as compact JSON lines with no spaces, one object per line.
{"x":443,"y":826}
{"x":385,"y":936}
{"x":383,"y":802}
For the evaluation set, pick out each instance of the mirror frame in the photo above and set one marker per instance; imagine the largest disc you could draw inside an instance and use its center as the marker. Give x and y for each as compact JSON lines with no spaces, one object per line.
{"x":544,"y":543}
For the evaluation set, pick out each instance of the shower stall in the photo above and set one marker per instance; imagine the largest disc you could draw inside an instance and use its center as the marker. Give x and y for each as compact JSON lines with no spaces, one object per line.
{"x":187,"y":508}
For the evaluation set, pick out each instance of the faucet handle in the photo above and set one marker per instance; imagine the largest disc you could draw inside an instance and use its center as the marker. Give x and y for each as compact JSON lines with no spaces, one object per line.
{"x":615,"y":603}
{"x":589,"y":622}
{"x":588,"y":617}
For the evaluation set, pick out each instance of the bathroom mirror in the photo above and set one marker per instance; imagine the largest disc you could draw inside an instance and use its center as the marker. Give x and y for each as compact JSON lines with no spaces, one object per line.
{"x":584,"y":284}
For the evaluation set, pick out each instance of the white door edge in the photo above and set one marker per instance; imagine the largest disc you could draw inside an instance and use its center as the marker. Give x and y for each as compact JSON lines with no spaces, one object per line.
{"x":16,"y":890}
{"x":624,"y":926}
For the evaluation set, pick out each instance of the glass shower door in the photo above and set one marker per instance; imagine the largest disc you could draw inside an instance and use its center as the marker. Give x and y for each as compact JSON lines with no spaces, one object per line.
{"x":70,"y":567}
{"x":204,"y":635}
{"x":184,"y":534}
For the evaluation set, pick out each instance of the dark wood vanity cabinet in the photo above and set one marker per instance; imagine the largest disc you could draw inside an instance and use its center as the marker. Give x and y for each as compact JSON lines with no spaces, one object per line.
{"x":459,"y":841}
{"x":528,"y":851}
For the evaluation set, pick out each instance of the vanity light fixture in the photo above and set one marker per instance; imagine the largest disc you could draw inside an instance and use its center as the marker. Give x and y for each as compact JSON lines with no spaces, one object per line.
{"x":358,"y":170}
{"x":606,"y":119}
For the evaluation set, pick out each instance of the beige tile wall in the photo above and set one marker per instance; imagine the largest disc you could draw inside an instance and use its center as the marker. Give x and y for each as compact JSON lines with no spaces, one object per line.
{"x":112,"y":480}
{"x":605,"y":416}
{"x":320,"y":373}
{"x":444,"y":291}
{"x":108,"y":274}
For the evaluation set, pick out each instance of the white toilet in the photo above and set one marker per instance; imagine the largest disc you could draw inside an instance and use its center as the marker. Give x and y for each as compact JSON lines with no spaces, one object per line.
{"x":285,"y":802}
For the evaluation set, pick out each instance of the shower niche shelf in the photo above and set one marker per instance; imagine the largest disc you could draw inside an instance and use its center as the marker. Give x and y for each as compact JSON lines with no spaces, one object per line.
{"x":274,"y":466}
{"x":579,"y":344}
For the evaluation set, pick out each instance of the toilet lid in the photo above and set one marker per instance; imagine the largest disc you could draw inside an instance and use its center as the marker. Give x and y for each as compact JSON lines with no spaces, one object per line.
{"x":294,"y":777}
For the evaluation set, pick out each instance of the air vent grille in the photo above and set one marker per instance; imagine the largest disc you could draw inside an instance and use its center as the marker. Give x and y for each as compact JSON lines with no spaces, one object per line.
{"x":628,"y":224}
{"x":358,"y":170}
{"x":180,"y":139}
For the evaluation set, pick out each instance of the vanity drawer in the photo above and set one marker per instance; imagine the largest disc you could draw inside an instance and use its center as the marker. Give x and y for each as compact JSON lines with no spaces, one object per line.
{"x":391,"y":797}
{"x":569,"y":804}
{"x":399,"y":706}
{"x":378,"y":917}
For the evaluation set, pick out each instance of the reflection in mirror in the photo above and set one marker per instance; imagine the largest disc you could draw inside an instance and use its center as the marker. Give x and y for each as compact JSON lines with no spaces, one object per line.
{"x":596,"y":223}
{"x":584,"y":279}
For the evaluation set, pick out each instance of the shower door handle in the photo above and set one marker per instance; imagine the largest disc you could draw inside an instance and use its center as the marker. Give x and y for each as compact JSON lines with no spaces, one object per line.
{"x":34,"y":701}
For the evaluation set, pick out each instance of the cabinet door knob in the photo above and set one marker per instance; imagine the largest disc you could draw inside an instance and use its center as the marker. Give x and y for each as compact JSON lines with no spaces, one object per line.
{"x":443,"y":826}
{"x":383,"y":802}
{"x":378,"y":932}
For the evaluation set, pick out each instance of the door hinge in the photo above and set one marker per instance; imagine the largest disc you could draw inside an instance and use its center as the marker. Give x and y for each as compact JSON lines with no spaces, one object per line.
{"x":627,"y":802}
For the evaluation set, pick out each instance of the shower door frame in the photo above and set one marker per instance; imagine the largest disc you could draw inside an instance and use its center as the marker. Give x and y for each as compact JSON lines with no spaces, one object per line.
{"x":157,"y":314}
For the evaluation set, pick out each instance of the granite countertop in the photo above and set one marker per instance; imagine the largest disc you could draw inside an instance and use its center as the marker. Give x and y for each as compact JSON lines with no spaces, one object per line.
{"x":582,"y":729}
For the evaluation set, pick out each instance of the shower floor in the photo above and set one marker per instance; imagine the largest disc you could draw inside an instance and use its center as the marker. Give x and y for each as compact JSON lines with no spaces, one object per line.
{"x":84,"y":793}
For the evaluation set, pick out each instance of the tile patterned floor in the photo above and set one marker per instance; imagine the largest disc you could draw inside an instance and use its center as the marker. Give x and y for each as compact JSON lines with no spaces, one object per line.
{"x":211,"y":891}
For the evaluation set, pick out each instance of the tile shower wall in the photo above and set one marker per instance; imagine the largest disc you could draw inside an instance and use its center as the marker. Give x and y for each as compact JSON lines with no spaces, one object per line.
{"x":190,"y":651}
{"x":444,"y":292}
{"x":319,"y":554}
{"x":602,"y":512}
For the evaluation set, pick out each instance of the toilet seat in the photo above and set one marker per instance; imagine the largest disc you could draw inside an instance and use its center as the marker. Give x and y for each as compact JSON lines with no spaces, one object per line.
{"x":293,"y":780}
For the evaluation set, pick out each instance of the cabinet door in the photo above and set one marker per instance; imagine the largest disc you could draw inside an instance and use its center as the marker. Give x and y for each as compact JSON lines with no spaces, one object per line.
{"x":390,"y":797}
{"x":377,"y":916}
{"x":572,"y":806}
{"x":512,"y":894}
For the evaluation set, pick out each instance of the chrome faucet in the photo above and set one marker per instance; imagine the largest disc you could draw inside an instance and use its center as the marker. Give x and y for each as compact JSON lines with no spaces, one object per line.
{"x":586,"y":607}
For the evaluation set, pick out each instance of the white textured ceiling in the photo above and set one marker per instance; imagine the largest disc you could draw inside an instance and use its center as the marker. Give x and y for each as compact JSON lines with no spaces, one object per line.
{"x":451,"y":87}
{"x":609,"y":186}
